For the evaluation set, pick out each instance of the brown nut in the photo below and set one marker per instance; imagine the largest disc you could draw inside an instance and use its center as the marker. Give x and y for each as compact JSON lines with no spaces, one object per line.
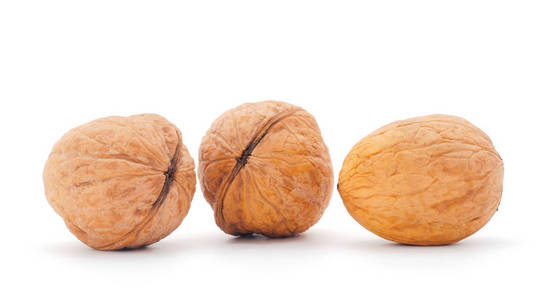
{"x":121,"y":182}
{"x":264,"y":168}
{"x":430,"y":180}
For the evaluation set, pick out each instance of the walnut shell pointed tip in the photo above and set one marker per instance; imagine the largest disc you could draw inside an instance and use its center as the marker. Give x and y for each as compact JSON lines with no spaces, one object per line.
{"x":121,"y":182}
{"x":264,"y":168}
{"x":429,"y":180}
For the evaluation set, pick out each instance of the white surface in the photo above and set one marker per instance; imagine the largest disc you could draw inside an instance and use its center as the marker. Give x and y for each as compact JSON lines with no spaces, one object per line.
{"x":355,"y":65}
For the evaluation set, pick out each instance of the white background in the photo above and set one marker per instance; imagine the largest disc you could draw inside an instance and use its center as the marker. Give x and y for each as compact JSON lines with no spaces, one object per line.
{"x":355,"y":65}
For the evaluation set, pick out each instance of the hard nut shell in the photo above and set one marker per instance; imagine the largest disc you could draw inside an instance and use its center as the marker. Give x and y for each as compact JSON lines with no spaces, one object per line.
{"x":121,"y":182}
{"x":264,"y":168}
{"x":430,"y":180}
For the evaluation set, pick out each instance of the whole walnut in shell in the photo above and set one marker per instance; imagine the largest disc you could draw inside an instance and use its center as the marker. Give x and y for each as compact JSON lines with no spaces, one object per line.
{"x":121,"y":182}
{"x":425,"y":181}
{"x":264,"y":168}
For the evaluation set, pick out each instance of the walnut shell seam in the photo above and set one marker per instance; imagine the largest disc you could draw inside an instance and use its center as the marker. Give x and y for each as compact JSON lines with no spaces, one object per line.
{"x":169,"y":174}
{"x":260,"y":133}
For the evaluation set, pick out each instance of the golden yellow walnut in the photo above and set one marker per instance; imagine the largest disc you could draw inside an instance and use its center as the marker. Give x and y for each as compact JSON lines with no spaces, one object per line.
{"x":121,"y":182}
{"x":425,"y":181}
{"x":264,"y":168}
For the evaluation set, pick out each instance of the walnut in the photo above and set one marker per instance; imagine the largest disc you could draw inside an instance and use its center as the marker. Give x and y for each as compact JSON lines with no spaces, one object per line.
{"x":121,"y":182}
{"x":264,"y":168}
{"x":430,"y":180}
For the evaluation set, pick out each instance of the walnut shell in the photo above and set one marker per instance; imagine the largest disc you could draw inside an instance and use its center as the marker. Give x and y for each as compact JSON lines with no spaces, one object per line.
{"x":264,"y":168}
{"x":121,"y":182}
{"x":430,"y":180}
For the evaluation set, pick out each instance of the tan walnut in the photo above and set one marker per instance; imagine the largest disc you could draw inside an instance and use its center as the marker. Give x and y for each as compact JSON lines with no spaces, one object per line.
{"x":121,"y":182}
{"x":264,"y":168}
{"x":425,"y":181}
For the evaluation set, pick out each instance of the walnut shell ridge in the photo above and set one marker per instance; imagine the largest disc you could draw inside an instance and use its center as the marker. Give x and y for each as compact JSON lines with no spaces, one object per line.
{"x":429,"y":180}
{"x":121,"y":182}
{"x":264,"y":168}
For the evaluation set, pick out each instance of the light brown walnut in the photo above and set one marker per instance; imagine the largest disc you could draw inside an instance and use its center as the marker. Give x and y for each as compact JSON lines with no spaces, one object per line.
{"x":121,"y":182}
{"x":264,"y":168}
{"x":425,"y":181}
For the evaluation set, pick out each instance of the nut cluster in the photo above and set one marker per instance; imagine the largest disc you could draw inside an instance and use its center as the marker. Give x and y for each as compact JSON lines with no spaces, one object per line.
{"x":127,"y":182}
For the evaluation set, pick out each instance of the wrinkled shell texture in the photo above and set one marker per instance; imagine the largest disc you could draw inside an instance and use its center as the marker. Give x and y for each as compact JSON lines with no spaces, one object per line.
{"x":121,"y":182}
{"x":425,"y":181}
{"x":264,"y":168}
